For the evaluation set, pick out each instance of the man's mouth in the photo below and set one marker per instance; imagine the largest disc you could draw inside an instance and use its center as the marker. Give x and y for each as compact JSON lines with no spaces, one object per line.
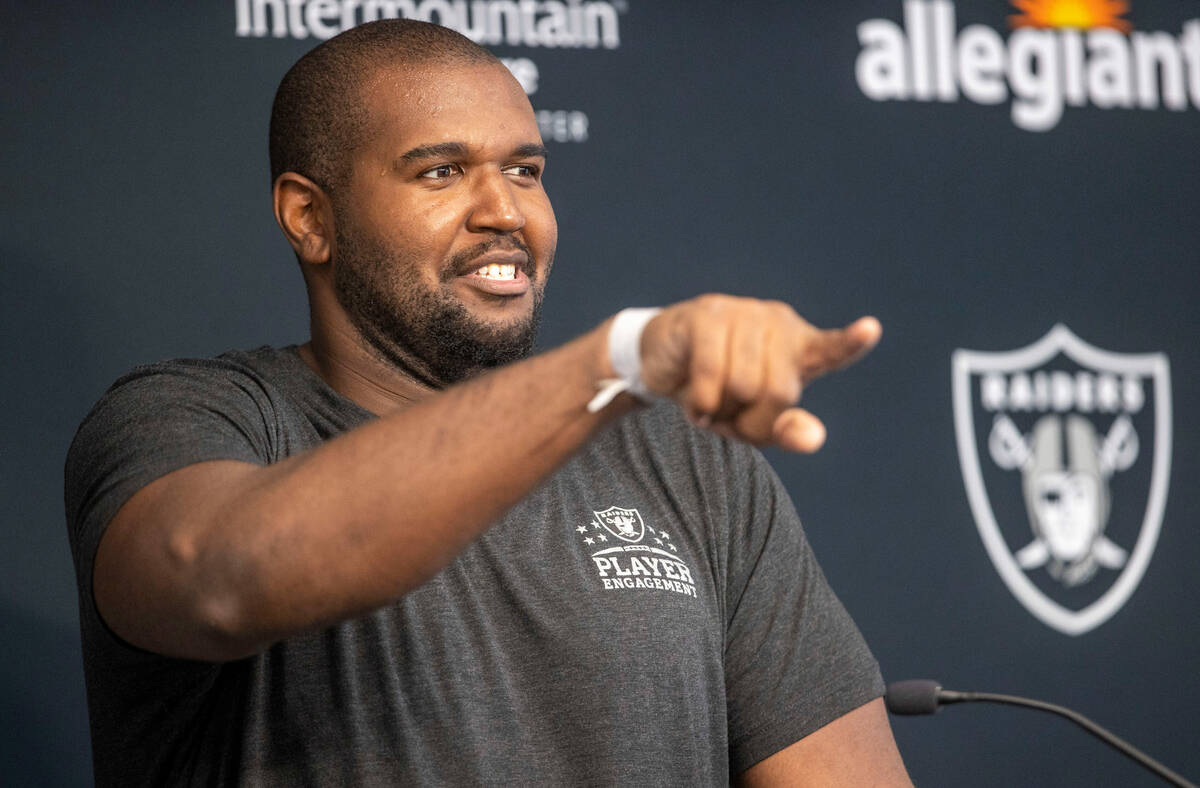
{"x":495,"y":260}
{"x":501,"y":273}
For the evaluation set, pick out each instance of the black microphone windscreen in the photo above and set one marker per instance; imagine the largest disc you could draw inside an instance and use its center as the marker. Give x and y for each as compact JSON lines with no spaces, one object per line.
{"x":913,"y":696}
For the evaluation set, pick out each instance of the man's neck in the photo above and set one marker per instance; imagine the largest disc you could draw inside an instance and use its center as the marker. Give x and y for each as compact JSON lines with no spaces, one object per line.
{"x":359,"y":375}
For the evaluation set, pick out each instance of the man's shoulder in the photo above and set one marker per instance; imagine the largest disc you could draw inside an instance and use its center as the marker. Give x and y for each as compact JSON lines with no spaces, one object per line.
{"x":255,"y":379}
{"x":165,"y":415}
{"x":169,"y":396}
{"x":256,"y":363}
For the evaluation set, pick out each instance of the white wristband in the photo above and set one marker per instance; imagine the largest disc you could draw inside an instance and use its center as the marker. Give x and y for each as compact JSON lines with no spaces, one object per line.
{"x":625,"y":355}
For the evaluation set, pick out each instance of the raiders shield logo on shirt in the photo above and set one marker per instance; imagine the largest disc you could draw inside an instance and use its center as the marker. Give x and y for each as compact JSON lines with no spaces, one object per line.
{"x":624,"y":524}
{"x":1065,"y":452}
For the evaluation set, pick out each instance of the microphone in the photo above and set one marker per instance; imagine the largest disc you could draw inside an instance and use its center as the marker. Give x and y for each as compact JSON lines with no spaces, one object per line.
{"x":925,"y":696}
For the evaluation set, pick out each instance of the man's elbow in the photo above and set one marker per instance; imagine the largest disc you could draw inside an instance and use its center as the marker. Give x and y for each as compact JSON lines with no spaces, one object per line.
{"x":222,"y":630}
{"x":189,"y":606}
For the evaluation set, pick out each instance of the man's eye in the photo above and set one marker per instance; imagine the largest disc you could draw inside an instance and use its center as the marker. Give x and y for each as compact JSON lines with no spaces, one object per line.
{"x":522,"y":170}
{"x":439,"y":172}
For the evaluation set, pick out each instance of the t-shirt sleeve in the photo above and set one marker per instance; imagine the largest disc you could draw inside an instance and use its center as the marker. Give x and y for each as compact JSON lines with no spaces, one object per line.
{"x":794,"y":659}
{"x":155,"y":420}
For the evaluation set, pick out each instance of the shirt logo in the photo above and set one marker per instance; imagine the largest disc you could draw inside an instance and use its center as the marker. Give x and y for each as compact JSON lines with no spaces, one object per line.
{"x":648,"y":560}
{"x":1068,"y":495}
{"x":622,"y":523}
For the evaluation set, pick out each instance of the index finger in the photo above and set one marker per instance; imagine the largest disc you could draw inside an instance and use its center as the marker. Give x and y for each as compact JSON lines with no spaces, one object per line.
{"x":832,"y":349}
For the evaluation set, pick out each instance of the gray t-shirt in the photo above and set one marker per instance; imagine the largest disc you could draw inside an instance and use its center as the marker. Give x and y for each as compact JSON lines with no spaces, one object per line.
{"x":652,"y":613}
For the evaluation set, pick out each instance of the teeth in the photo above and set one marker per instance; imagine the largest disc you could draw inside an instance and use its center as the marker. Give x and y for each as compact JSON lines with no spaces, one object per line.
{"x":500,"y":272}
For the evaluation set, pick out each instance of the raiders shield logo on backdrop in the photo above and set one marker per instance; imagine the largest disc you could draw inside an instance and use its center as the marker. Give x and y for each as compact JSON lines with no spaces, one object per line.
{"x":1065,"y":452}
{"x":622,"y":523}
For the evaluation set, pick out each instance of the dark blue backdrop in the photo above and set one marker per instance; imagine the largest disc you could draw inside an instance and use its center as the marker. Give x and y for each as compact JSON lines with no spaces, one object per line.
{"x":717,"y":147}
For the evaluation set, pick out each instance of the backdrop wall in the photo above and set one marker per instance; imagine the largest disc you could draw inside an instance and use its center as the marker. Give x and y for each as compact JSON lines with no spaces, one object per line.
{"x":1018,"y":522}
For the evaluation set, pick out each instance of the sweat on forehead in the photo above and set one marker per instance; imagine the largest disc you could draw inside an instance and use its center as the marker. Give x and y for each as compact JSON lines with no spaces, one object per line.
{"x":319,"y":115}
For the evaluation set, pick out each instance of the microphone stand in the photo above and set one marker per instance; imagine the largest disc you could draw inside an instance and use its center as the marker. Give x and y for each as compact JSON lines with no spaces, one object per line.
{"x":914,"y":697}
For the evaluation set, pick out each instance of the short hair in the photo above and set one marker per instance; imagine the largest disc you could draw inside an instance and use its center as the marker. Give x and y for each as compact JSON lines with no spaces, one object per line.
{"x":318,"y":117}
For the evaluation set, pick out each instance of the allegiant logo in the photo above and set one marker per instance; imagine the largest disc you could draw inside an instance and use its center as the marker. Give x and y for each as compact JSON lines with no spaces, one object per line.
{"x":1061,"y":53}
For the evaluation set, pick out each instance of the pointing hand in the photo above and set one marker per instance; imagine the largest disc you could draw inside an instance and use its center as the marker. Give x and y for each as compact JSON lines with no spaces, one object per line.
{"x":738,"y":365}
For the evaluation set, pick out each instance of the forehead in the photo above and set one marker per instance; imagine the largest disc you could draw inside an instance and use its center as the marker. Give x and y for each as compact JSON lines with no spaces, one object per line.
{"x":479,"y":104}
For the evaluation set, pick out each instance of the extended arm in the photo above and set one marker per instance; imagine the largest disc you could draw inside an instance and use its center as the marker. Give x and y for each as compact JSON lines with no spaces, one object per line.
{"x":220,"y":559}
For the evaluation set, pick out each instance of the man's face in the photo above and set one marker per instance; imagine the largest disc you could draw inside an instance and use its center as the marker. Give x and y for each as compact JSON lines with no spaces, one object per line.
{"x":444,"y":234}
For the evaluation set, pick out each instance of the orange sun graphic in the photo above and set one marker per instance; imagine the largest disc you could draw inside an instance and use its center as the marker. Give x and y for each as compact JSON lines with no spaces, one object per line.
{"x":1071,"y":13}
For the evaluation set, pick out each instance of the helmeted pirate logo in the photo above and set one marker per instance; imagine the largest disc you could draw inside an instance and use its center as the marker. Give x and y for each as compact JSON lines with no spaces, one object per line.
{"x":622,"y":523}
{"x":1069,"y":489}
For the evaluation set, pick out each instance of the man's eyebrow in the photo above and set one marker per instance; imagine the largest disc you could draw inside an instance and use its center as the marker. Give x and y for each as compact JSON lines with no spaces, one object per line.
{"x":459,"y":150}
{"x":531,"y":150}
{"x":440,"y":150}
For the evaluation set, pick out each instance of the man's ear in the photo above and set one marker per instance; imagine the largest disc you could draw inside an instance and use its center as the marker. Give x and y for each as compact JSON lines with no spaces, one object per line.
{"x":305,"y":215}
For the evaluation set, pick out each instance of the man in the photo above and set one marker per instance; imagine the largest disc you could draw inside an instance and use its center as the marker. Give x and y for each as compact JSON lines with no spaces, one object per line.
{"x":401,"y":554}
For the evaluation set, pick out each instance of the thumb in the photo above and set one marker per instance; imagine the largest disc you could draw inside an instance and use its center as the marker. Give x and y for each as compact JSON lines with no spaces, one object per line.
{"x":798,"y":430}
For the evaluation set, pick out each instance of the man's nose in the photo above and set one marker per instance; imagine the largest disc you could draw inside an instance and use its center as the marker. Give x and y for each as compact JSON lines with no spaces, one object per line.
{"x":497,"y":206}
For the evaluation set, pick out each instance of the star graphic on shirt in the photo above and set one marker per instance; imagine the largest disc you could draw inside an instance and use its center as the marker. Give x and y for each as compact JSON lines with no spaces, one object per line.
{"x":650,"y":528}
{"x":602,"y":537}
{"x":589,"y":540}
{"x":664,"y":534}
{"x":673,"y":547}
{"x":596,"y":526}
{"x":582,"y":529}
{"x":658,"y":540}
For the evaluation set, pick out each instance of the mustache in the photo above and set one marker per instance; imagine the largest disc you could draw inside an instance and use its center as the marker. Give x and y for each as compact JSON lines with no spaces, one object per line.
{"x":465,"y":262}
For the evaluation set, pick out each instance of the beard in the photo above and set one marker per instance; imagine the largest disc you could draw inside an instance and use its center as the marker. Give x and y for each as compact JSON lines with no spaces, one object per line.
{"x":428,"y":333}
